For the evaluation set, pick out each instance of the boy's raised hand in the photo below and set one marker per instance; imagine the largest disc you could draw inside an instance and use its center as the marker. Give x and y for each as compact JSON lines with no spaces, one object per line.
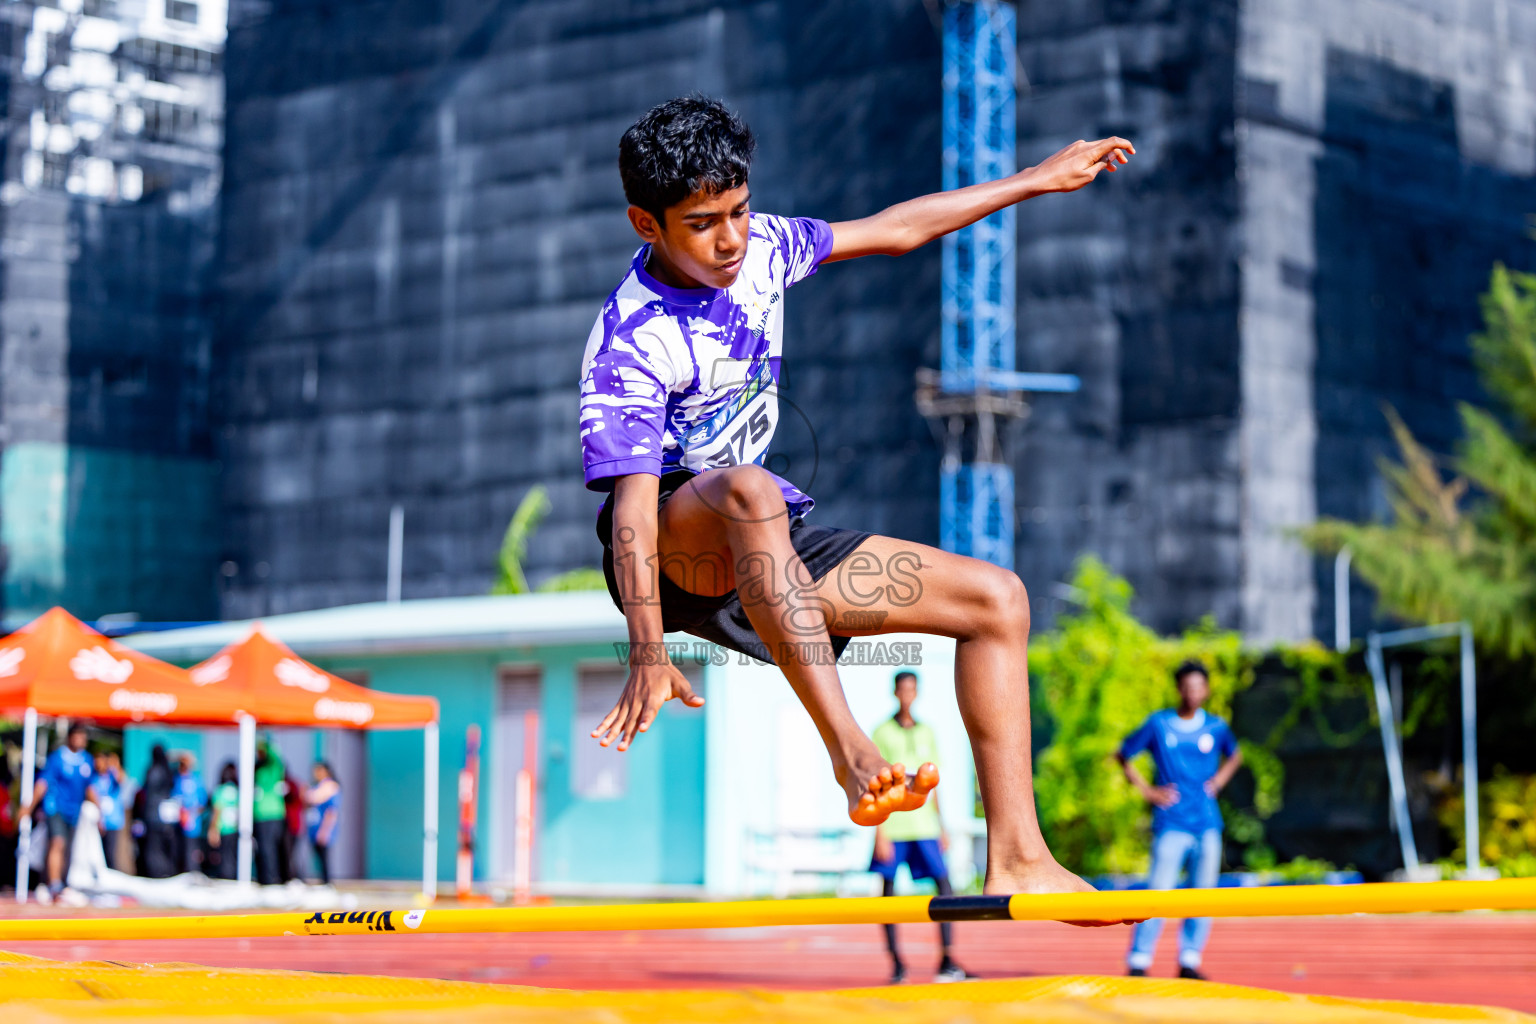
{"x":651,"y":684}
{"x":1078,"y":164}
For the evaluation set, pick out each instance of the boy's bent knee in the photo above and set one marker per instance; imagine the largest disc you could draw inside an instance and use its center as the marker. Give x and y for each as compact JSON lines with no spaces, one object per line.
{"x":1004,"y":600}
{"x":749,"y":493}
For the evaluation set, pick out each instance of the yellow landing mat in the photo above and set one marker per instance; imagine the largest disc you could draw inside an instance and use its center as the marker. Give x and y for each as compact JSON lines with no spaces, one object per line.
{"x":37,"y":991}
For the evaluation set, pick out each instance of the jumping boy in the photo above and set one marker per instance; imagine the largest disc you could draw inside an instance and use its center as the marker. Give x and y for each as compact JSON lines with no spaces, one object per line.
{"x":678,"y":405}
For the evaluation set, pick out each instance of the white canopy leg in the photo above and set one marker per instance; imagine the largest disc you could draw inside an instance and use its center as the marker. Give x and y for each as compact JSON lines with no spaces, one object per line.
{"x":28,"y":781}
{"x":247,"y":799}
{"x":1469,"y":750}
{"x":429,"y":817}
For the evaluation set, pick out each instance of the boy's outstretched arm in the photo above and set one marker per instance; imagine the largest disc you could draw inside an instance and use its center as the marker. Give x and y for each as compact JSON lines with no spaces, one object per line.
{"x":901,"y":228}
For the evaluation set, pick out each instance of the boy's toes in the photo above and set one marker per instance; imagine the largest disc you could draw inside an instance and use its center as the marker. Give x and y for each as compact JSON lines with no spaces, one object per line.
{"x":880,"y":796}
{"x":918,"y":787}
{"x":869,"y":811}
{"x":893,"y":799}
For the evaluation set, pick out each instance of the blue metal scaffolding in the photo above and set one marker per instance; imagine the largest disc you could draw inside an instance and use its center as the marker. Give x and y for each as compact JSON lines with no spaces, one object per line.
{"x":978,"y":262}
{"x":977,"y":384}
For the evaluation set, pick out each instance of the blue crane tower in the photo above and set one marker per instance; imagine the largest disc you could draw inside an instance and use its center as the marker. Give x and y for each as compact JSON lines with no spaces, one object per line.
{"x":977,"y":384}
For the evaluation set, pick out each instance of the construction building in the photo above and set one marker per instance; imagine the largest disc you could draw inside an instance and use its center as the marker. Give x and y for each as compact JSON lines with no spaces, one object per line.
{"x":421,"y":216}
{"x":108,"y":225}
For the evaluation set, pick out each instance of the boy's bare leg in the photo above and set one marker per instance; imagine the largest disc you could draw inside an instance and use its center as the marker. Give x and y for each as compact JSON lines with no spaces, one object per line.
{"x":907,"y":588}
{"x":913,"y":588}
{"x":728,"y":529}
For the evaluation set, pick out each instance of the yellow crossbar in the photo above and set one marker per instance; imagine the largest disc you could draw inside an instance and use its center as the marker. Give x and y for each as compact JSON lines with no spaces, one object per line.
{"x":1271,"y":901}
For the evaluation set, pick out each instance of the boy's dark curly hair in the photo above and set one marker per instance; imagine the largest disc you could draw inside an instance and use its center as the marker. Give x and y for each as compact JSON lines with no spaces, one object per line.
{"x":1190,"y":667}
{"x":683,"y":146}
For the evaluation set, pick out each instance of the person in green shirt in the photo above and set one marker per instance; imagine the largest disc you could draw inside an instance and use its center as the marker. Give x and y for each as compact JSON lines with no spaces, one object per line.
{"x":269,"y":813}
{"x":915,"y":838}
{"x":224,"y":822}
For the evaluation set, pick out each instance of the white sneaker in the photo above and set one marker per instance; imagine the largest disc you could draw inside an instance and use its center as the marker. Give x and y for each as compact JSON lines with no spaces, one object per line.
{"x":954,"y":972}
{"x":44,"y":896}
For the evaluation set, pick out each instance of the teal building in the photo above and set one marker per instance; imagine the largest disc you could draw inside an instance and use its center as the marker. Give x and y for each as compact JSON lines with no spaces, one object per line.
{"x":736,"y":797}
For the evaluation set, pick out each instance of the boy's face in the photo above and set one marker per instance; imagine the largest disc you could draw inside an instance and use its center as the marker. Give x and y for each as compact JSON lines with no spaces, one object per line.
{"x":1194,"y":688}
{"x":702,"y":240}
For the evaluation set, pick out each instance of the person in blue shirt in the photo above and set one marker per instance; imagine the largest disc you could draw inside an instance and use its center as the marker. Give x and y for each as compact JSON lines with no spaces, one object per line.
{"x":62,"y":788}
{"x":107,"y":784}
{"x":1195,"y":756}
{"x":324,"y":800}
{"x":192,"y":795}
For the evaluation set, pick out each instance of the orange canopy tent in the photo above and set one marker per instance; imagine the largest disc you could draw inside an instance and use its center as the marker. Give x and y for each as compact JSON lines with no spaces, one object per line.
{"x":278,"y":687}
{"x":57,"y":665}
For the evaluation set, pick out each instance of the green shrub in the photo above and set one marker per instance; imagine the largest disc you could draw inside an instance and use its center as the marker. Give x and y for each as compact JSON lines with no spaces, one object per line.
{"x":1507,"y":823}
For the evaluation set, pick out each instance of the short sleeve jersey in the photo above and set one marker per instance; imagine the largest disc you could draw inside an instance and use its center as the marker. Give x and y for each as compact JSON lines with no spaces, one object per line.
{"x":1186,"y":754}
{"x":193,"y":798}
{"x":910,"y":748}
{"x":68,"y":774}
{"x":226,"y":808}
{"x":688,"y":378}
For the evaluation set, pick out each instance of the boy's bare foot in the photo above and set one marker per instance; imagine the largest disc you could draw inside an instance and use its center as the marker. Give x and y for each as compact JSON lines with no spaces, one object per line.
{"x":1041,"y":877}
{"x":886,"y":788}
{"x":874,"y":786}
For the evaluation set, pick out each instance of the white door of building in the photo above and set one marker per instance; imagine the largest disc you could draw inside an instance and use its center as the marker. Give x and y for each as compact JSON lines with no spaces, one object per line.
{"x":519,"y":692}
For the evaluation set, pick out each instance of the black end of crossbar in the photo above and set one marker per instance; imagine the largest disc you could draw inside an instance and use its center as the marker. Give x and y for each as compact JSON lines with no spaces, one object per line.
{"x":968,"y":908}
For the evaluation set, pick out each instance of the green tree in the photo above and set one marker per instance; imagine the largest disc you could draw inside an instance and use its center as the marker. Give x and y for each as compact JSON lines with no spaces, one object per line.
{"x":510,"y":578}
{"x":1463,"y":546}
{"x":1100,"y":673}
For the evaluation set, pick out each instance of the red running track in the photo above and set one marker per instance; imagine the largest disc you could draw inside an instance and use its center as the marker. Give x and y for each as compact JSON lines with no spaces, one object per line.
{"x":1475,"y":958}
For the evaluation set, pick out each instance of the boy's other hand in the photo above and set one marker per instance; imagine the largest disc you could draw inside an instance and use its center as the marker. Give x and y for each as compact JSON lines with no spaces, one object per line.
{"x":1162,"y":796}
{"x":649,"y":687}
{"x":1078,"y":164}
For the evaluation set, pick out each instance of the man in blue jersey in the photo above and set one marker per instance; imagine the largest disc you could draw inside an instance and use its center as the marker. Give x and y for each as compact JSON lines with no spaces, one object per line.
{"x":679,"y":403}
{"x":64,"y":785}
{"x":192,"y":798}
{"x":107,"y":784}
{"x":1195,"y":756}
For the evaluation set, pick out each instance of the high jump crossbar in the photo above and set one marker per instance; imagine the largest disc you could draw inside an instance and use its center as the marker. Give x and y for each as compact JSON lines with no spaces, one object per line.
{"x":1110,"y":907}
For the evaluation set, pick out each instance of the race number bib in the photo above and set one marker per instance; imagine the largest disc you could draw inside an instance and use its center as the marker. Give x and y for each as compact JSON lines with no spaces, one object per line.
{"x":737,"y":433}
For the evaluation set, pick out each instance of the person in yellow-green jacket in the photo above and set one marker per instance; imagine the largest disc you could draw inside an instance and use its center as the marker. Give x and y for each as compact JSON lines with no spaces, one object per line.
{"x":914,"y":838}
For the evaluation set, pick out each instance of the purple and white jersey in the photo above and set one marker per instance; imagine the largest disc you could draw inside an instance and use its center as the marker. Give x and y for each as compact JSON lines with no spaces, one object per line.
{"x":676,"y":377}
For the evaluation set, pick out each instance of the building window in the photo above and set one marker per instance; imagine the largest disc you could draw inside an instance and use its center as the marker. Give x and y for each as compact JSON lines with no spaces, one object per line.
{"x":181,"y":10}
{"x":168,"y":122}
{"x":597,"y":772}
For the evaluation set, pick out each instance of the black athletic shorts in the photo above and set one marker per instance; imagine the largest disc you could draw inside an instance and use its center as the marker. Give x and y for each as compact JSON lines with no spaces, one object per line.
{"x":721,"y":620}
